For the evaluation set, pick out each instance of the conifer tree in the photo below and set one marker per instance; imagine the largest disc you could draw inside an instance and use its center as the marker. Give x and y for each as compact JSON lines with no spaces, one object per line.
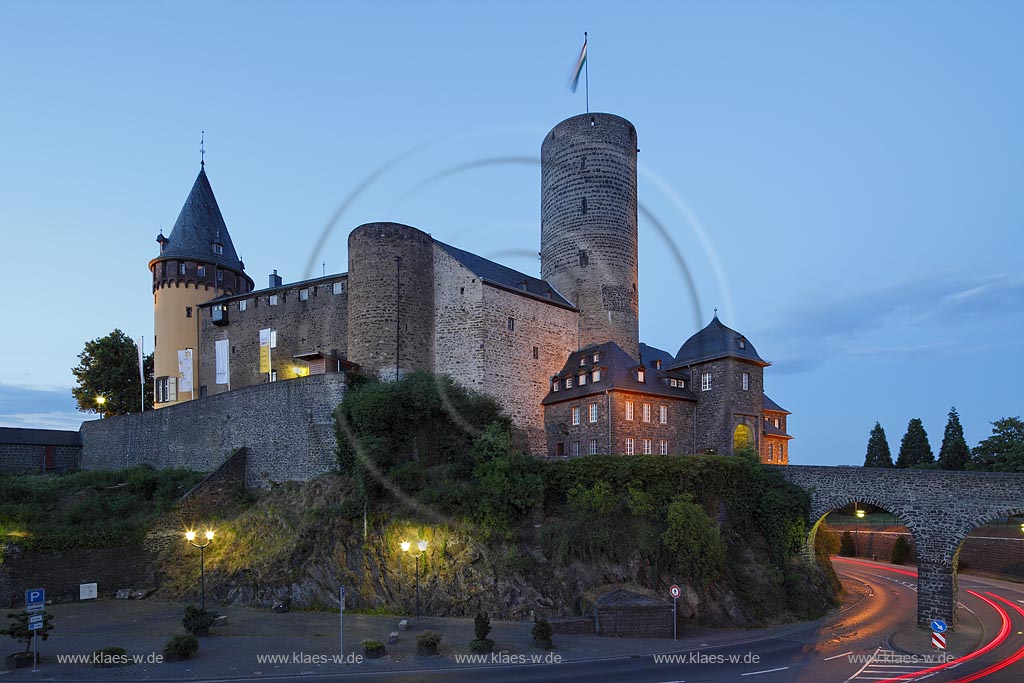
{"x":878,"y":454}
{"x":954,"y":454}
{"x":915,"y":449}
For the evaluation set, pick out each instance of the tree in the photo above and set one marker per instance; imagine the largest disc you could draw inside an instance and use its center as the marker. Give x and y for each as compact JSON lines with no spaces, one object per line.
{"x":915,"y":449}
{"x":878,"y":454}
{"x":847,"y":548}
{"x":693,"y":541}
{"x":954,"y":453}
{"x":1004,"y":450}
{"x":19,"y":630}
{"x":900,"y":550}
{"x":108,"y":369}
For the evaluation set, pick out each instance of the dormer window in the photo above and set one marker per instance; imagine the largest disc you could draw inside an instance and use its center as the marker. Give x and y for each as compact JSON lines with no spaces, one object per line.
{"x":657,"y":364}
{"x":555,"y":384}
{"x":597,"y":375}
{"x":568,"y":382}
{"x":743,"y":343}
{"x":201,"y":271}
{"x":218,"y":249}
{"x":583,"y":378}
{"x":597,"y":356}
{"x":641,"y":376}
{"x":583,"y":361}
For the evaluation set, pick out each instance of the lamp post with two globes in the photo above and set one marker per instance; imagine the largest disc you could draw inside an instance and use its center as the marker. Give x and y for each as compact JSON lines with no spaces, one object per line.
{"x":190,"y":536}
{"x":422,"y":547}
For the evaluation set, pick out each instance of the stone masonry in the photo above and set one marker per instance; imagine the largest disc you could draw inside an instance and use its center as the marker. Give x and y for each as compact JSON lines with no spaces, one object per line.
{"x":939,"y":508}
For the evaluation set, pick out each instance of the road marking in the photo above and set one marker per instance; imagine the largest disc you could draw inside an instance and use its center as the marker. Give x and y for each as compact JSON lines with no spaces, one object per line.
{"x":866,"y":665}
{"x":828,"y":659}
{"x":766,"y":671}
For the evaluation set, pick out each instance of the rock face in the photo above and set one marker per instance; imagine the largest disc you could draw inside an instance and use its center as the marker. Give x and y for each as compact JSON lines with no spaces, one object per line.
{"x":296,"y":547}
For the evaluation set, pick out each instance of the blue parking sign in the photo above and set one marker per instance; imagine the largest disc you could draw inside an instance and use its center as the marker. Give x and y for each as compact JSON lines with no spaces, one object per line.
{"x":35,"y":599}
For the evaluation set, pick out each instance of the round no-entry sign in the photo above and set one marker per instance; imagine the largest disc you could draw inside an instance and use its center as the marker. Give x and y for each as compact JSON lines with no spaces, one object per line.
{"x":675,"y":591}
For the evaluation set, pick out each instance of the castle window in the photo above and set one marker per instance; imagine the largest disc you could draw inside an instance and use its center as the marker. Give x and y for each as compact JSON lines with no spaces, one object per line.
{"x":583,"y":378}
{"x":161,"y":393}
{"x":536,"y":353}
{"x":647,"y":412}
{"x":220,"y":275}
{"x":511,"y":324}
{"x":705,"y":381}
{"x":575,"y":449}
{"x":188,"y":311}
{"x":663,"y":414}
{"x":593,"y":446}
{"x":202,"y":391}
{"x":629,"y":410}
{"x":746,"y":381}
{"x":555,"y":384}
{"x":743,"y":343}
{"x":201,"y":270}
{"x":575,"y":415}
{"x":771,"y":451}
{"x":584,"y":258}
{"x":777,"y":423}
{"x":339,"y":287}
{"x":647,"y":446}
{"x":584,"y":206}
{"x":640,"y":375}
{"x":304,"y":294}
{"x":583,"y":361}
{"x":593,"y":412}
{"x":559,"y":449}
{"x":597,"y":375}
{"x":218,"y":249}
{"x":273,"y":299}
{"x":462,"y":290}
{"x":568,"y":382}
{"x":630,"y":446}
{"x":673,"y":383}
{"x":181,"y":268}
{"x":663,"y":447}
{"x":657,"y":364}
{"x":597,"y":356}
{"x":273,"y":375}
{"x":242,"y":304}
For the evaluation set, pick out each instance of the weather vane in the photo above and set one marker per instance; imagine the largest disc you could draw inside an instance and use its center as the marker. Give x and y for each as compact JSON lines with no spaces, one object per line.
{"x":202,"y":148}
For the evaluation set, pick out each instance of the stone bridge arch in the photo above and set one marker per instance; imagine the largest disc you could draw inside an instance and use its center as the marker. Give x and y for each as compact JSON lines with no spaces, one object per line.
{"x":938,"y":507}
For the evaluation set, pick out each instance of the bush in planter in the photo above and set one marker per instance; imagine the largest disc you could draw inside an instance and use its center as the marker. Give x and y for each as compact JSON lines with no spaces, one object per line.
{"x":373,"y":649}
{"x":180,"y":646}
{"x":110,"y":656}
{"x":542,"y":633}
{"x":198,"y":621}
{"x":481,"y":627}
{"x":427,"y":642}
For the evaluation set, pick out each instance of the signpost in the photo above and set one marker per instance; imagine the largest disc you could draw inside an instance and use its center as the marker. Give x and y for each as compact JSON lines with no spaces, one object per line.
{"x":939,"y":634}
{"x":35,"y":603}
{"x":675,"y":592}
{"x":341,"y":621}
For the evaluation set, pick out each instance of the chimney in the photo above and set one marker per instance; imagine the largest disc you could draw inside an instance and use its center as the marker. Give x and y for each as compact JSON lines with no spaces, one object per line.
{"x":275,"y":279}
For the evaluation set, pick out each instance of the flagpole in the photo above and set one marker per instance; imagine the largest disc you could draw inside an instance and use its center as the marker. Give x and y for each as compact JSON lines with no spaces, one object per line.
{"x":586,"y":67}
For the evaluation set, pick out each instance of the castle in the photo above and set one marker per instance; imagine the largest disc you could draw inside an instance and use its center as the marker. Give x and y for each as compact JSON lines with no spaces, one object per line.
{"x":561,"y":353}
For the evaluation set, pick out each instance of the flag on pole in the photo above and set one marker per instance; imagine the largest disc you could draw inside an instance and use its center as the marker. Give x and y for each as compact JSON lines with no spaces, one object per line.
{"x":580,"y":63}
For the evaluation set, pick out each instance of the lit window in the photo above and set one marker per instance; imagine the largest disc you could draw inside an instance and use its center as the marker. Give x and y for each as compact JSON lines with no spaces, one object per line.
{"x":640,"y":375}
{"x":583,"y":378}
{"x":647,"y":412}
{"x":597,"y":376}
{"x":568,"y":382}
{"x":273,"y":299}
{"x":583,"y":361}
{"x":746,"y":381}
{"x":511,"y":324}
{"x":242,"y":304}
{"x":273,"y":339}
{"x":630,"y":446}
{"x":663,"y":447}
{"x":201,"y":271}
{"x":575,"y":415}
{"x":705,"y":381}
{"x":771,"y":451}
{"x":597,"y":356}
{"x":181,"y":268}
{"x":593,"y":446}
{"x":663,"y":414}
{"x":673,"y":383}
{"x":657,"y":364}
{"x":593,"y":412}
{"x":776,"y":423}
{"x":555,"y":384}
{"x":629,"y":410}
{"x":218,"y":249}
{"x":339,"y":287}
{"x":273,"y":375}
{"x":304,"y":295}
{"x":576,"y":449}
{"x":647,"y":446}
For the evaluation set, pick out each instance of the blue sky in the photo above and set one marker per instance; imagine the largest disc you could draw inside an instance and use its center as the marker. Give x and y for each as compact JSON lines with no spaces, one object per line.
{"x":841,"y":179}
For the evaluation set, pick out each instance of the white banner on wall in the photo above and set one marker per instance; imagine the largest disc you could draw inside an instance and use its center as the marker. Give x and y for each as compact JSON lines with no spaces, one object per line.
{"x":185,"y":370}
{"x":222,"y":348}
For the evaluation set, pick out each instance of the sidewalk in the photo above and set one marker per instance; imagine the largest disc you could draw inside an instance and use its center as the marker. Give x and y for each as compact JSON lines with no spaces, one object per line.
{"x":308,"y":641}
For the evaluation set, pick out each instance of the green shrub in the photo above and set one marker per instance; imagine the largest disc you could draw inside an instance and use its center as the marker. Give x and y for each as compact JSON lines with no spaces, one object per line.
{"x":847,"y":548}
{"x":428,"y":639}
{"x":481,"y":625}
{"x":19,"y":630}
{"x":542,"y":634}
{"x":197,"y":619}
{"x":183,"y":645}
{"x":372,"y":646}
{"x":900,"y":550}
{"x":695,"y":547}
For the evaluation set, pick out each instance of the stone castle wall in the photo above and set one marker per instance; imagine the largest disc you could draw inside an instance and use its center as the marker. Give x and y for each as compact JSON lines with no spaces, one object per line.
{"x":726,"y":404}
{"x":31,"y":458}
{"x":287,"y":428}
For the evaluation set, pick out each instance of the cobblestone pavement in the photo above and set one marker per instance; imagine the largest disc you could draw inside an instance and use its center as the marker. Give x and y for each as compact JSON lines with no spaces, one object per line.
{"x":302,"y":642}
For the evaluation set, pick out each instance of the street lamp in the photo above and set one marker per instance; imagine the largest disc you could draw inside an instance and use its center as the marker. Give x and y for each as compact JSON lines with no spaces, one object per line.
{"x":101,"y":401}
{"x":860,"y":515}
{"x":422,"y":547}
{"x":190,"y":536}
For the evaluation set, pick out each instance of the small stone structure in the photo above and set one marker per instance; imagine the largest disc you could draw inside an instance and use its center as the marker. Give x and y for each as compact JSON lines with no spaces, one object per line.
{"x":626,"y":614}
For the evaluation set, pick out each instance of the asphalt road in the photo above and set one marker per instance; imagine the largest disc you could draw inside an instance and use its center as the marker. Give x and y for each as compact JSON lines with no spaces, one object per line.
{"x":829,"y":651}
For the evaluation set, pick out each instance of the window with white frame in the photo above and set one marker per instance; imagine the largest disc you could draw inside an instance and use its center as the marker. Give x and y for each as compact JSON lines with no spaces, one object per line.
{"x":273,"y":339}
{"x":593,"y":446}
{"x":596,"y":357}
{"x":575,"y":415}
{"x":663,"y":447}
{"x":583,"y":378}
{"x":218,"y":249}
{"x":339,"y":287}
{"x":181,"y":268}
{"x":304,"y":294}
{"x":647,"y":412}
{"x":511,"y":324}
{"x":705,"y":381}
{"x":746,"y":381}
{"x":777,"y":423}
{"x":242,"y":304}
{"x":647,"y":446}
{"x":663,"y":414}
{"x":771,"y":451}
{"x":583,"y":361}
{"x":630,"y":446}
{"x":640,"y":375}
{"x":273,"y":299}
{"x":201,"y":270}
{"x":555,"y":384}
{"x":597,"y":375}
{"x":629,"y":410}
{"x":575,"y":449}
{"x":568,"y":382}
{"x":593,"y":412}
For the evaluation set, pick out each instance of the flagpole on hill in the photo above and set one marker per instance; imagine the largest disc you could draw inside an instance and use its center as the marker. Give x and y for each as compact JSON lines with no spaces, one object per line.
{"x":582,"y":68}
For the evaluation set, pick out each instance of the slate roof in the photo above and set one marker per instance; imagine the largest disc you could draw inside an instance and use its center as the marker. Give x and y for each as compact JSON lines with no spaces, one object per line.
{"x":199,"y":225}
{"x":618,"y":372}
{"x":716,"y":341}
{"x":39,"y":437}
{"x":503,"y":276}
{"x":326,"y":279}
{"x":773,"y":406}
{"x":771,"y":430}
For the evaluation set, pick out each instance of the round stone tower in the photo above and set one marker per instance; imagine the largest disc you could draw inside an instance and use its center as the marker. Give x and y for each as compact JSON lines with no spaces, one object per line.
{"x":588,"y":234}
{"x":390,"y":299}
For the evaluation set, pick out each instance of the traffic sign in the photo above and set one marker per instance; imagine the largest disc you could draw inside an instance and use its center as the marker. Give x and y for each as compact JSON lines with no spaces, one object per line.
{"x":36,"y":626}
{"x":35,"y":599}
{"x":35,"y":619}
{"x":939,"y":626}
{"x":675,"y":592}
{"x":939,"y":641}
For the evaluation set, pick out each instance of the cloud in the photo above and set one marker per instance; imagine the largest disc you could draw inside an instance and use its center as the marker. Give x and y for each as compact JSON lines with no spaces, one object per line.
{"x":71,"y":421}
{"x":39,"y":408}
